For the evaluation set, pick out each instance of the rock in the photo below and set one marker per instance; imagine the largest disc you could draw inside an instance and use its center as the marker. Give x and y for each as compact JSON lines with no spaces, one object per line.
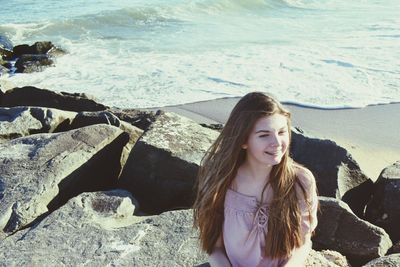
{"x":5,"y":54}
{"x":32,"y":63}
{"x":40,"y":173}
{"x":337,"y":174}
{"x":42,"y":47}
{"x":384,"y":208}
{"x":213,"y":126}
{"x":32,"y":96}
{"x":206,"y":264}
{"x":326,"y":258}
{"x":56,"y":52}
{"x":35,"y":49}
{"x":2,"y":62}
{"x":7,"y":65}
{"x":340,"y":230}
{"x":6,"y":47}
{"x":134,"y":134}
{"x":5,"y":43}
{"x":4,"y":86}
{"x":23,"y":121}
{"x":99,"y":229}
{"x":387,"y":261}
{"x":39,"y":49}
{"x":85,"y":118}
{"x":139,"y":118}
{"x":3,"y":70}
{"x":394,"y":249}
{"x":162,"y":167}
{"x":23,"y":49}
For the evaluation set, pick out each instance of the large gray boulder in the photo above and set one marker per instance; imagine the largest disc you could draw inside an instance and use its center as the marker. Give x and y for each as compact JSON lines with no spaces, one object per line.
{"x":32,"y":96}
{"x":99,"y":229}
{"x":340,"y":230}
{"x":86,"y":118}
{"x":41,"y":172}
{"x":384,"y":208}
{"x":326,"y":258}
{"x":337,"y":174}
{"x":162,"y":167}
{"x":23,"y":121}
{"x":387,"y":261}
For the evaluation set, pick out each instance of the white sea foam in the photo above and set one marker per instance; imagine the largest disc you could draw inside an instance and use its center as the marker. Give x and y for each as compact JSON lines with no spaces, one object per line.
{"x":152,"y":53}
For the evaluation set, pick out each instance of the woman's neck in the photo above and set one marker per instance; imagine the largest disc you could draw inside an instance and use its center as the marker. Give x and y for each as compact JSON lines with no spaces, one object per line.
{"x":259,"y":173}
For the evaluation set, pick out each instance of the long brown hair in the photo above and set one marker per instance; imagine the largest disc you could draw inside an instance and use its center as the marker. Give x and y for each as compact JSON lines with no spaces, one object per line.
{"x":219,"y":167}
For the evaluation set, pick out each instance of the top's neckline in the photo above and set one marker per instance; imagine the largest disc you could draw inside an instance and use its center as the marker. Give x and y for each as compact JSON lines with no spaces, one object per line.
{"x":253,"y":198}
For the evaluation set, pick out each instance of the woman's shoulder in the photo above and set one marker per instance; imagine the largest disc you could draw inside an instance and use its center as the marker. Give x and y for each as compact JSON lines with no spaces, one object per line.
{"x":305,"y":176}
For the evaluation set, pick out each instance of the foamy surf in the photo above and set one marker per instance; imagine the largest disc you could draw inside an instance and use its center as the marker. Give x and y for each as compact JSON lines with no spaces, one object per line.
{"x":154,"y":53}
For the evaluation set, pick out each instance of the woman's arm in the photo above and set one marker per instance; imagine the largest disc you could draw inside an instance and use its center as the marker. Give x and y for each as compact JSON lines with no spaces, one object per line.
{"x":218,"y":257}
{"x":299,"y":255}
{"x":307,"y":180}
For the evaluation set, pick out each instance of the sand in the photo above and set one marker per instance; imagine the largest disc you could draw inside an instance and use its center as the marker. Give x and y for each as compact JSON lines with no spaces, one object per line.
{"x":370,"y":134}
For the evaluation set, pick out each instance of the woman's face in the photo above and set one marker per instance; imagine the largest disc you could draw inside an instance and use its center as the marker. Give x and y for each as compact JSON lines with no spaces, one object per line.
{"x":268,"y":140}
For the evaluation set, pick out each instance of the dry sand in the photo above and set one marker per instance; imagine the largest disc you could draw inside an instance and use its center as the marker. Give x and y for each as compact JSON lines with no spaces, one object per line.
{"x":370,"y":134}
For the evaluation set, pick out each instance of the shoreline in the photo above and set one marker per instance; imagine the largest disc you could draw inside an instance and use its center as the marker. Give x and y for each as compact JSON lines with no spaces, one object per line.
{"x":370,"y":134}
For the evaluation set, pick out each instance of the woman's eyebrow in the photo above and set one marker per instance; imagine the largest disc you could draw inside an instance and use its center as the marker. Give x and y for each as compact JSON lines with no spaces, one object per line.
{"x":268,"y":131}
{"x":263,"y":131}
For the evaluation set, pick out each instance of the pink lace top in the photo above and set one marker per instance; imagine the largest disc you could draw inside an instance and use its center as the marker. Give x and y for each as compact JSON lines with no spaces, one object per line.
{"x":245,"y":223}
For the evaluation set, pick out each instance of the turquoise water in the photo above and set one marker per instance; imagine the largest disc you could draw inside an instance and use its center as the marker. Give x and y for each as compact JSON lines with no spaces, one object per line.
{"x":153,"y":53}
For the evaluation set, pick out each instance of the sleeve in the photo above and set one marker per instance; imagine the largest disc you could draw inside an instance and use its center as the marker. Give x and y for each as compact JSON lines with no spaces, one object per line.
{"x":309,"y":211}
{"x":300,"y":254}
{"x":218,"y":258}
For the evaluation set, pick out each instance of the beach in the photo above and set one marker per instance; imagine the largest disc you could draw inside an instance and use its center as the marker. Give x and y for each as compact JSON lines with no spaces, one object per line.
{"x":370,"y":134}
{"x":85,"y":172}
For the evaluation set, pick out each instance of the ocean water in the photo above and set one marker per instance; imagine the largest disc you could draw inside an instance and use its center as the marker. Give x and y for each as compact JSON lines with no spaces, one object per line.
{"x":148,"y":53}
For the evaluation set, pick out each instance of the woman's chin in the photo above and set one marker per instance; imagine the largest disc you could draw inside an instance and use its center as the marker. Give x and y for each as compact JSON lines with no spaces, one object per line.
{"x":270,"y":162}
{"x":275,"y":160}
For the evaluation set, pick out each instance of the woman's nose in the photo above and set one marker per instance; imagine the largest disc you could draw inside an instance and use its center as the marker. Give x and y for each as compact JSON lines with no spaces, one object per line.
{"x":275,"y":140}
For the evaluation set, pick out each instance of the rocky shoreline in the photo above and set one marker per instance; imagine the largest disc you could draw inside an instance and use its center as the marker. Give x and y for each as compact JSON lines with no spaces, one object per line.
{"x":85,"y":184}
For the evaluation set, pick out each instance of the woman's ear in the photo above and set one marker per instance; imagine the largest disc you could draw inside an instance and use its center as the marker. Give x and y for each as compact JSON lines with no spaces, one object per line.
{"x":244,"y":146}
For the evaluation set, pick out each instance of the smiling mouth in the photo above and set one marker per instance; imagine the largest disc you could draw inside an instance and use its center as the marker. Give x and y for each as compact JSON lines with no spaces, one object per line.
{"x":272,"y":153}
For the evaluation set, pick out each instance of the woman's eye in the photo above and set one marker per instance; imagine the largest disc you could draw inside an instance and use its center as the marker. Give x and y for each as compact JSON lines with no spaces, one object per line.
{"x":263,"y":135}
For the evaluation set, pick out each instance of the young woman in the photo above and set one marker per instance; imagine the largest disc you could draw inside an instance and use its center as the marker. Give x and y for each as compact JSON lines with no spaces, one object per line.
{"x":255,"y":206}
